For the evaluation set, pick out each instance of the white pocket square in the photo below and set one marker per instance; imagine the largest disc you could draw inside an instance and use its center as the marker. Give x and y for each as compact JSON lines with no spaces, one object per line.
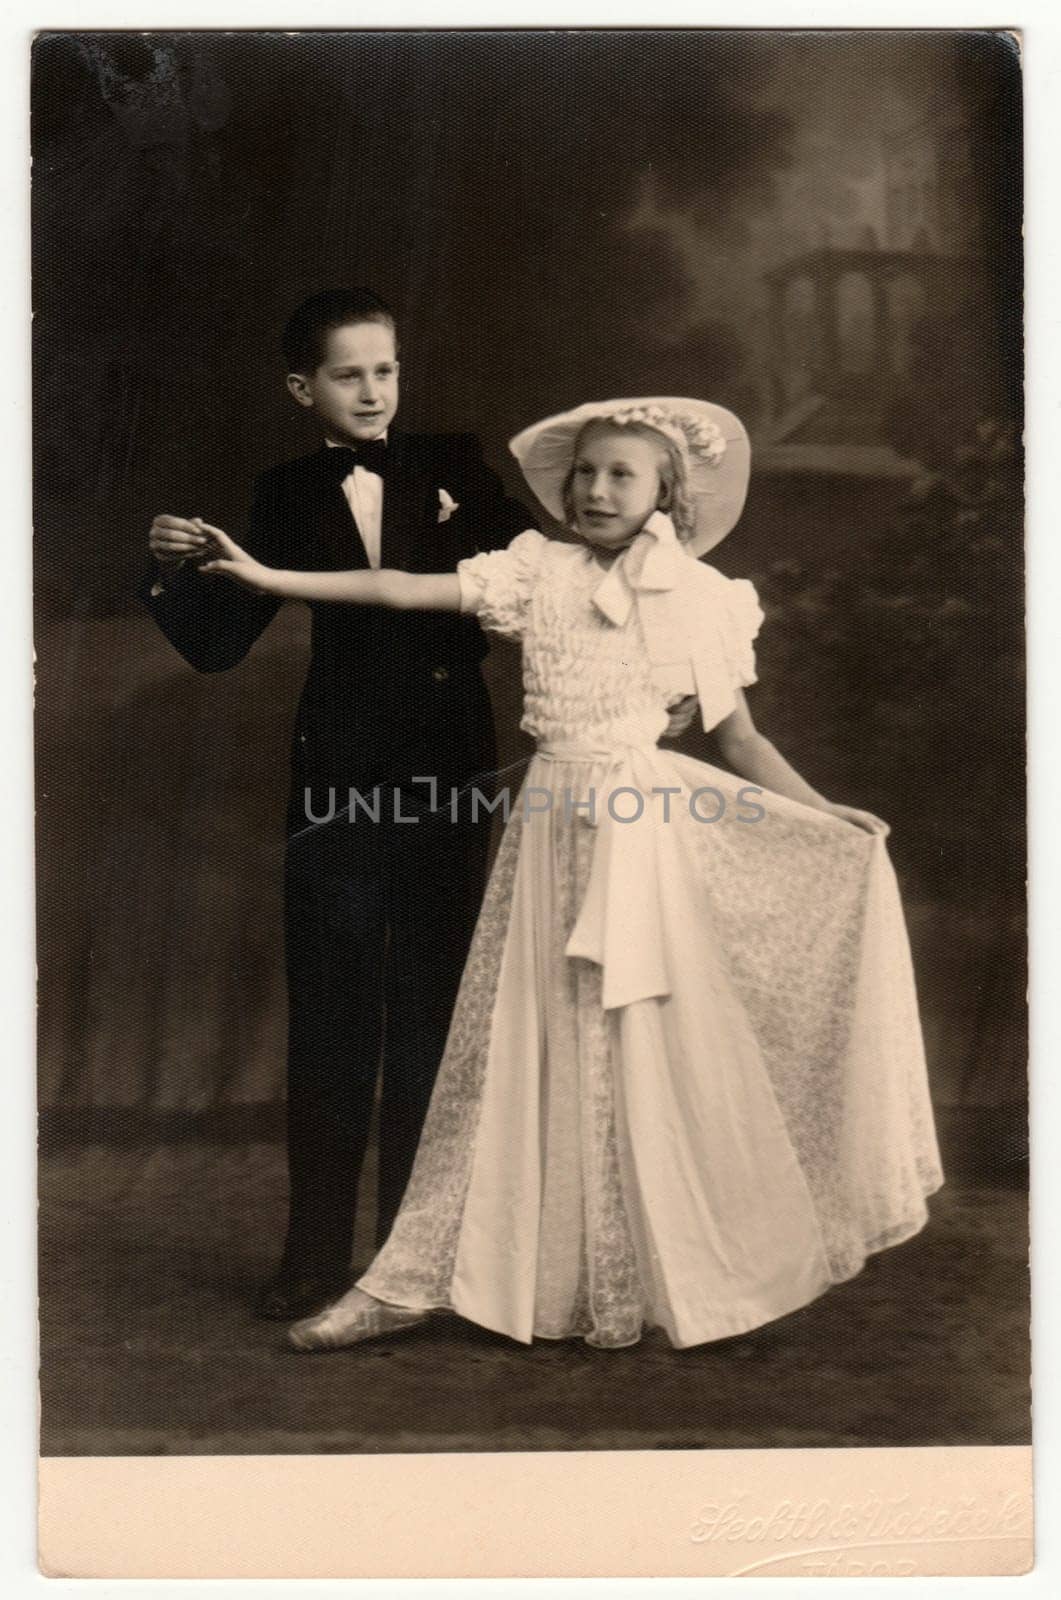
{"x":446,"y":506}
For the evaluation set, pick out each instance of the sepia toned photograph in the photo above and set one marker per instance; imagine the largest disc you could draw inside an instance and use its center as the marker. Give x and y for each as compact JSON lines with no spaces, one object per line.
{"x":529,"y":585}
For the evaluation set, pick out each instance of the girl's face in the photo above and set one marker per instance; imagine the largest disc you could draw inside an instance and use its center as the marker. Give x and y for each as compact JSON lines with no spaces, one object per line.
{"x":615,"y":485}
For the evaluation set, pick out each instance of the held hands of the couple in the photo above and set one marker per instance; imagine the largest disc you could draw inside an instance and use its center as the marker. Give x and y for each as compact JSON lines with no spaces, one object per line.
{"x":223,"y":558}
{"x":174,"y":540}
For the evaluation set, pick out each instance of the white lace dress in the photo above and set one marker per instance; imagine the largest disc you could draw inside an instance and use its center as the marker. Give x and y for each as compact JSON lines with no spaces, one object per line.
{"x":684,"y":1084}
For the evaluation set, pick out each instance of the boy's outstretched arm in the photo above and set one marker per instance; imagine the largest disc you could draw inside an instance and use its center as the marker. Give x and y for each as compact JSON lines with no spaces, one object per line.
{"x":212,"y":625}
{"x":399,"y":591}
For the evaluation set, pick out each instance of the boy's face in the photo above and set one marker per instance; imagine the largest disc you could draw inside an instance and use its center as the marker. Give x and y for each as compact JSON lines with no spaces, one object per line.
{"x":354,"y":391}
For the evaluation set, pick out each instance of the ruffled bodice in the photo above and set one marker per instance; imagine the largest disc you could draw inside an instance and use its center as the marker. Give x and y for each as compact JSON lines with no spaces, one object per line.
{"x":589,"y":676}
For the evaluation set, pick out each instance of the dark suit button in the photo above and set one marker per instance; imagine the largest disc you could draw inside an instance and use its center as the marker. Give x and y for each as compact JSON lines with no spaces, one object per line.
{"x":440,"y":674}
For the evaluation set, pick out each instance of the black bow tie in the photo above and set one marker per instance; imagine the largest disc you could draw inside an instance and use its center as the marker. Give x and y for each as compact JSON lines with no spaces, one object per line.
{"x":341,"y":459}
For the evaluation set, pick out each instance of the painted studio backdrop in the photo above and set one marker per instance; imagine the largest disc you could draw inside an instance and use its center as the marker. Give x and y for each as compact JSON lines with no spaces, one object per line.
{"x":819,"y":231}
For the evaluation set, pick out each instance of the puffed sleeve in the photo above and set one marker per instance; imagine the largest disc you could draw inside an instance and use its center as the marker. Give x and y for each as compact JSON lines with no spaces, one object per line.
{"x":743,"y":619}
{"x":496,"y":585}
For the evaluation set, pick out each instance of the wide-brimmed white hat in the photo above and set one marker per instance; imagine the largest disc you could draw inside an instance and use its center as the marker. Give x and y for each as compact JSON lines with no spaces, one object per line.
{"x":715,"y":445}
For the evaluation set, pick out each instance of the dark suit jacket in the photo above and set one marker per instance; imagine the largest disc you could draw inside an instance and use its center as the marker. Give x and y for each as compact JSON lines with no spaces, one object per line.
{"x":389,"y":695}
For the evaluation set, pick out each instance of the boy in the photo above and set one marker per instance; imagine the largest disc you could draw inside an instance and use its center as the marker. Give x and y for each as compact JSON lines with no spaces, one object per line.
{"x":377,"y":913}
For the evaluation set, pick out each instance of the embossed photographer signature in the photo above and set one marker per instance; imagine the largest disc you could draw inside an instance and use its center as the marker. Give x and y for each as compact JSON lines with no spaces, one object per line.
{"x":870,"y":1520}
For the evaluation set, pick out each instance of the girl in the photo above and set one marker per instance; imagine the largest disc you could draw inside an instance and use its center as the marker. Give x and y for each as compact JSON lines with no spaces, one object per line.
{"x":684,"y":1084}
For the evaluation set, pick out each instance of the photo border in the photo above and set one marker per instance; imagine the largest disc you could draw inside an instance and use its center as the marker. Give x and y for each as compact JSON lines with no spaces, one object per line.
{"x":1042,"y":80}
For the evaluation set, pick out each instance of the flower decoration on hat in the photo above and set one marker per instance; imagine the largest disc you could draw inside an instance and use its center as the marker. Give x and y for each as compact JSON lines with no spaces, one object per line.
{"x":699,"y":436}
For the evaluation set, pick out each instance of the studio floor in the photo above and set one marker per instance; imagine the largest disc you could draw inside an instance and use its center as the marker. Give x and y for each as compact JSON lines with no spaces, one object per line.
{"x":151,"y":1253}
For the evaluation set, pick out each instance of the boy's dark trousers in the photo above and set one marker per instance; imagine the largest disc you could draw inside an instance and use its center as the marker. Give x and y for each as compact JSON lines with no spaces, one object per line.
{"x":378,"y":918}
{"x":377,"y":914}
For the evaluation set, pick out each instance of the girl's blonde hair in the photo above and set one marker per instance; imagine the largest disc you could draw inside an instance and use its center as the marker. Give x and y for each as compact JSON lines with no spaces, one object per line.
{"x":675,"y":499}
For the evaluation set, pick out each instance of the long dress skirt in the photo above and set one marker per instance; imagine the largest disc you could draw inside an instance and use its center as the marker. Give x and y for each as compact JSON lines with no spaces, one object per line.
{"x":684,"y":1084}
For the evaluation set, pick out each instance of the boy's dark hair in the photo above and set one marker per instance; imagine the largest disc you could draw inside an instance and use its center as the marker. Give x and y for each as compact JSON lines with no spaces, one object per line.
{"x":306,"y":334}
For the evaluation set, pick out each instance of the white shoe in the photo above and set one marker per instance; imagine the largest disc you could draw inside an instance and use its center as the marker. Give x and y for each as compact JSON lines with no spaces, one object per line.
{"x":351,"y":1320}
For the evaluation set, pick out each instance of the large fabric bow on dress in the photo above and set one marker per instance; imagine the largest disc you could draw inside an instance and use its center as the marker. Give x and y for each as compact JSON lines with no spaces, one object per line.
{"x":684,"y":641}
{"x":635,"y":862}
